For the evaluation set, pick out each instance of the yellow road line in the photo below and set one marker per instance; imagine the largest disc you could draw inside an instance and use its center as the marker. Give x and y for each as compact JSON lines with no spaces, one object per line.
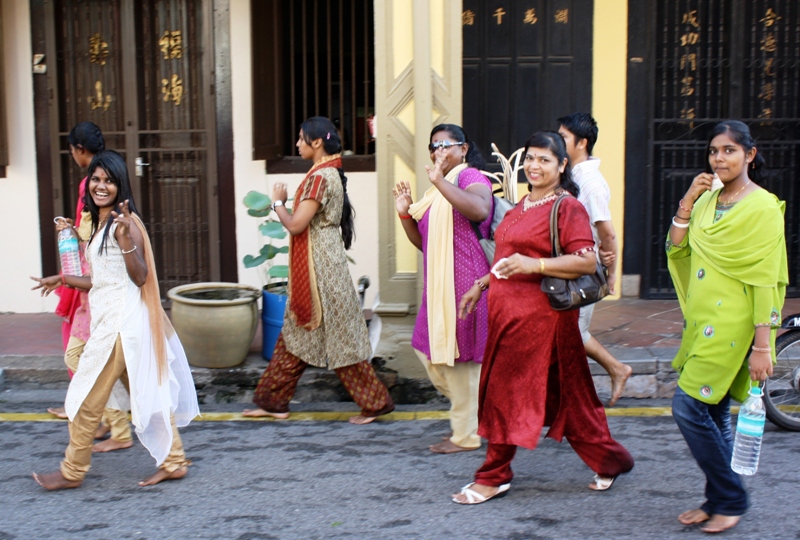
{"x":310,"y":416}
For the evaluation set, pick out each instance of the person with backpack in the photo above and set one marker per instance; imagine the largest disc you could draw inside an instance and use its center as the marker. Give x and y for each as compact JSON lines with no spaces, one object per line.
{"x":439,"y":225}
{"x":580,"y":133}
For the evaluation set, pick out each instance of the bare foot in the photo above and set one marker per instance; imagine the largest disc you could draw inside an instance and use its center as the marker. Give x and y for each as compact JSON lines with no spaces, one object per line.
{"x":102,"y":431}
{"x":55,"y":481}
{"x":618,"y":381}
{"x":109,"y":445}
{"x":447,"y":437}
{"x":486,"y":491}
{"x":261,"y":413}
{"x":161,"y":475}
{"x":449,"y":447}
{"x":58,"y":412}
{"x":719,"y":523}
{"x":690,"y":517}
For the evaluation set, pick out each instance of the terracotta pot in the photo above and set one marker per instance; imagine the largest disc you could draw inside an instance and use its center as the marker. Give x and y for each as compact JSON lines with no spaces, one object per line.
{"x":216,"y":322}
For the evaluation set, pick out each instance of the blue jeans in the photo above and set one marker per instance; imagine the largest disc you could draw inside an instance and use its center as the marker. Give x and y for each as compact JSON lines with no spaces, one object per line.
{"x":707,"y":430}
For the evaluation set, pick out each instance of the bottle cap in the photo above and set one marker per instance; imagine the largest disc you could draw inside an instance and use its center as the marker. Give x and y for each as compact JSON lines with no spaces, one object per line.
{"x":755,"y":391}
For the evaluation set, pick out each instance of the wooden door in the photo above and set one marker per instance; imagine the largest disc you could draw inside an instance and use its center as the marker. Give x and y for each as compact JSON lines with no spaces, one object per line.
{"x":525,"y":64}
{"x":141,"y":71}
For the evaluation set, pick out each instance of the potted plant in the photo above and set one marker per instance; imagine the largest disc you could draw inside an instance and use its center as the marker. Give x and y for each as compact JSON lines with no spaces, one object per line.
{"x":275,"y":276}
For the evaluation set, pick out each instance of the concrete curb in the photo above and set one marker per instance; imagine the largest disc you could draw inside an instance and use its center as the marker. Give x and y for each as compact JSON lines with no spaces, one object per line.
{"x":652,"y":377}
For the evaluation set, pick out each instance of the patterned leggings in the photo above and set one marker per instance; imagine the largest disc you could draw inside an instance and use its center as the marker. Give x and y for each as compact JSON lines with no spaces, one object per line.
{"x":279,"y":381}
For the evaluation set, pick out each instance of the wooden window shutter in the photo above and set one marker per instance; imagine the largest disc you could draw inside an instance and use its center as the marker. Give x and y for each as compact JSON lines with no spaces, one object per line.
{"x":267,"y":26}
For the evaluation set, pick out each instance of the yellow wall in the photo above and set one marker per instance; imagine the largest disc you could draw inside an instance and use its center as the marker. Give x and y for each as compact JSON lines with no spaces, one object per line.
{"x":609,"y":68}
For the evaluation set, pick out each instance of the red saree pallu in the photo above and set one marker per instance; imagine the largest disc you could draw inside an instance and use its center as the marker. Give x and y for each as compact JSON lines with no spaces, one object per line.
{"x":305,"y":307}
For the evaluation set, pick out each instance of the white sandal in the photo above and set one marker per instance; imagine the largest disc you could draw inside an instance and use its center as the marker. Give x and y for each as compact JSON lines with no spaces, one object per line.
{"x":473,"y":497}
{"x":602,"y":483}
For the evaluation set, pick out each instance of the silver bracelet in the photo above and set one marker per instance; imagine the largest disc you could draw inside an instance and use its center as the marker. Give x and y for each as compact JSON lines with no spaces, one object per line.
{"x":679,"y":225}
{"x":130,"y":250}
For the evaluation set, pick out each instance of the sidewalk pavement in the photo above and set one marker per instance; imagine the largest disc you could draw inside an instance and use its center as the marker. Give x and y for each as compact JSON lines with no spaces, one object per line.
{"x":642,"y":333}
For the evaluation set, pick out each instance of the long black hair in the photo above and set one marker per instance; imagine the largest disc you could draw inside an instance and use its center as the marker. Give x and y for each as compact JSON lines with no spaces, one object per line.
{"x":553,"y":141}
{"x":88,"y":136}
{"x":740,"y":134}
{"x":474,"y":158}
{"x":319,"y":127}
{"x":114,"y":166}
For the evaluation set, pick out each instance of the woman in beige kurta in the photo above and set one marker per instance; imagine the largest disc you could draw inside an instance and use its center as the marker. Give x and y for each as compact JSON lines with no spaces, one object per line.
{"x":323,"y":324}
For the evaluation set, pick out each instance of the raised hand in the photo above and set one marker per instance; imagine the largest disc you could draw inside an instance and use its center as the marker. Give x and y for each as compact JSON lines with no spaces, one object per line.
{"x":279,"y":192}
{"x":435,"y":173}
{"x":701,"y":183}
{"x":122,"y":217}
{"x":402,"y":197}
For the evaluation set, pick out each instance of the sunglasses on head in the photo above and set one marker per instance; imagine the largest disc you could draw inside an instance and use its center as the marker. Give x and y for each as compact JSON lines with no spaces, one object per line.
{"x":433,"y":147}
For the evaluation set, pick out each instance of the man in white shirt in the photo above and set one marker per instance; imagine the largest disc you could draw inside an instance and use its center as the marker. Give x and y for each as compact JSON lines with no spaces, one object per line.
{"x":580,"y":133}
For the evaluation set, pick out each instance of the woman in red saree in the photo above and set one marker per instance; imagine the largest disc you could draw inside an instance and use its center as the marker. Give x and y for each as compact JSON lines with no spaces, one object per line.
{"x":323,"y":324}
{"x":534,"y":370}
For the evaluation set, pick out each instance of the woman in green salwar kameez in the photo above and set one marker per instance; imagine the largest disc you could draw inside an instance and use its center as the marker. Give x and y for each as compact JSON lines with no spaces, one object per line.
{"x":727,"y":257}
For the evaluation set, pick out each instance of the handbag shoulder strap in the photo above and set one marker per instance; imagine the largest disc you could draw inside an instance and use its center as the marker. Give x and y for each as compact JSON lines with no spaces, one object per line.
{"x":555,"y":244}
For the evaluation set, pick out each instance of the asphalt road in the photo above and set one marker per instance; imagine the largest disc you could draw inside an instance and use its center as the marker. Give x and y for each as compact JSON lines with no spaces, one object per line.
{"x":329,"y":479}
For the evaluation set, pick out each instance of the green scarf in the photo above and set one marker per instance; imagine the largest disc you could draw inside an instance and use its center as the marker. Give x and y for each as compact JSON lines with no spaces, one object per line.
{"x":748,"y":244}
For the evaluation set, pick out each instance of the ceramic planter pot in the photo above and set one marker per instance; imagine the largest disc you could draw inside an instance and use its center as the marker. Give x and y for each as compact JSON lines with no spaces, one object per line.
{"x":216,"y":322}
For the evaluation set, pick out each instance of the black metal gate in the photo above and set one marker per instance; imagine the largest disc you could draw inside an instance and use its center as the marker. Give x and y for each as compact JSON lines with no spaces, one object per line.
{"x":712,"y":60}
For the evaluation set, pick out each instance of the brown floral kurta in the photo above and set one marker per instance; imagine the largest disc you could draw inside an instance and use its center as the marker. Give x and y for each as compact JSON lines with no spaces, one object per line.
{"x":341,"y":339}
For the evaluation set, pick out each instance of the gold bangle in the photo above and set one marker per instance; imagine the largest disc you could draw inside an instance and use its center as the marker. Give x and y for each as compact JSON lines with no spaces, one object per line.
{"x":541,"y":265}
{"x":762,"y":349}
{"x":481,"y":285}
{"x":130,"y":250}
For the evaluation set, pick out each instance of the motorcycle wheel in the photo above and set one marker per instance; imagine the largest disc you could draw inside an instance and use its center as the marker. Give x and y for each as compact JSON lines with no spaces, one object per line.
{"x":782,"y":390}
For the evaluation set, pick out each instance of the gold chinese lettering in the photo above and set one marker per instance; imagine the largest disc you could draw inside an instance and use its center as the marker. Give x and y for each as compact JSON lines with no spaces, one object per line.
{"x":172,"y":89}
{"x":468,"y":18}
{"x":688,"y":113}
{"x":689,"y":38}
{"x":768,"y":67}
{"x":562,"y":16}
{"x":690,"y":17}
{"x":498,"y":14}
{"x":98,"y":50}
{"x":767,"y":91}
{"x":98,"y":100}
{"x":171,"y":44}
{"x":686,"y":86}
{"x":769,"y":43}
{"x":689,"y":60}
{"x":770,"y":18}
{"x":766,"y":113}
{"x":530,"y":17}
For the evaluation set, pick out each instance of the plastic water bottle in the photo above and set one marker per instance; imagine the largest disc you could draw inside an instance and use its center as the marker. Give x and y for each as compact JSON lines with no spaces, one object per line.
{"x":68,"y":250}
{"x":749,"y":433}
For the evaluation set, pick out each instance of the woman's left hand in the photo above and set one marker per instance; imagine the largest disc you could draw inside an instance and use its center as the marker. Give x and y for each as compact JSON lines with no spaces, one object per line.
{"x":515,"y":264}
{"x":279,"y":193}
{"x":760,"y":366}
{"x":122,"y":217}
{"x":469,"y":301}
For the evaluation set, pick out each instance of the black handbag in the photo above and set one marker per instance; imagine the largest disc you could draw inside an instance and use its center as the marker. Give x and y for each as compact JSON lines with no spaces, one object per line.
{"x":566,"y":294}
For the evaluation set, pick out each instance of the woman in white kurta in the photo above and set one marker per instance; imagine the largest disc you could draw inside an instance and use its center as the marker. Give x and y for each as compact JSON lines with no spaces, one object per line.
{"x":131,"y":338}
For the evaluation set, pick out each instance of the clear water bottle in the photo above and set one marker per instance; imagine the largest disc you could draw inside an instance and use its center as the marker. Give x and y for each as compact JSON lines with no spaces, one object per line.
{"x":68,"y":250}
{"x":749,"y":432}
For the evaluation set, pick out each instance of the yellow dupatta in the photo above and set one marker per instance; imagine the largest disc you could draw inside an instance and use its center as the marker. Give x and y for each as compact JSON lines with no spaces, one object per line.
{"x":440,"y":272}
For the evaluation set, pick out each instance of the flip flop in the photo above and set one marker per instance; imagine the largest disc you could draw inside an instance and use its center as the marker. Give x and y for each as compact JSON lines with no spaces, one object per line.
{"x":473,"y":497}
{"x":602,"y":483}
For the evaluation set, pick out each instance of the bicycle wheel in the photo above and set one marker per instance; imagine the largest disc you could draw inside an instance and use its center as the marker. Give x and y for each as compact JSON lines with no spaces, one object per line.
{"x":782,"y":390}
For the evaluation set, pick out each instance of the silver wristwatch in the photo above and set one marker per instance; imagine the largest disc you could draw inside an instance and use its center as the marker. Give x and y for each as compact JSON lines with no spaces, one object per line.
{"x":276,"y":204}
